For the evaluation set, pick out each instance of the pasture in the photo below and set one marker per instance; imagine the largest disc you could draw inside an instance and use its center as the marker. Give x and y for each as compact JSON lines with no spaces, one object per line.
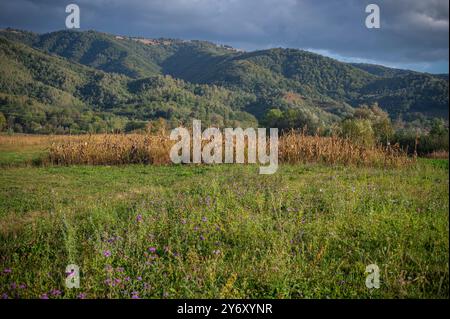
{"x":207,"y":231}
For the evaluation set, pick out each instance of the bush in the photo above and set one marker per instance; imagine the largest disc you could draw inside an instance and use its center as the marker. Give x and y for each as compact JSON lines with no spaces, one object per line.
{"x":358,"y":131}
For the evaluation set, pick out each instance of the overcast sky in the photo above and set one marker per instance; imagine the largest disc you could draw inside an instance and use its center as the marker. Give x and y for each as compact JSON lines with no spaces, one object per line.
{"x":413,"y":34}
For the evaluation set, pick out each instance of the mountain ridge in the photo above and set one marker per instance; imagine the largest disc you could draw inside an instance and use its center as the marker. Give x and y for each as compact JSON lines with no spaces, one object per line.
{"x":322,"y":87}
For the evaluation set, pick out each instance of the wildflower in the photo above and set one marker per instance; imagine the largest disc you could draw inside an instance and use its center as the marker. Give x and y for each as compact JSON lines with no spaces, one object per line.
{"x":127,"y":278}
{"x":55,"y":292}
{"x":183,"y":221}
{"x":7,"y":270}
{"x":135,"y":295}
{"x":139,"y":278}
{"x":139,"y":218}
{"x":44,"y":296}
{"x":120,"y":269}
{"x":152,"y":249}
{"x":204,"y":219}
{"x":22,"y":286}
{"x":216,"y":252}
{"x":4,"y":296}
{"x":202,"y":237}
{"x":106,"y":253}
{"x":82,"y":296}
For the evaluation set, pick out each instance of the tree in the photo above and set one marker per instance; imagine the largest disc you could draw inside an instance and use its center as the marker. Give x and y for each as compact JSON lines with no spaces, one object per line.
{"x":2,"y":122}
{"x":273,"y":117}
{"x":359,"y":131}
{"x":379,"y":121}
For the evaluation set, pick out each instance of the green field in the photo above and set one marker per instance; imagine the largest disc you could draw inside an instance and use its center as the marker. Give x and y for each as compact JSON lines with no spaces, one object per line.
{"x":308,"y":231}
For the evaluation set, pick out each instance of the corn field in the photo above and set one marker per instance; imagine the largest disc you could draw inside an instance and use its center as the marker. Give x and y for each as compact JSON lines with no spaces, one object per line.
{"x":294,"y":147}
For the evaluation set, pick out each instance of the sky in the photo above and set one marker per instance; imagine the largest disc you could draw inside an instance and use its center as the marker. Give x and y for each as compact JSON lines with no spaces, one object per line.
{"x":413,"y":34}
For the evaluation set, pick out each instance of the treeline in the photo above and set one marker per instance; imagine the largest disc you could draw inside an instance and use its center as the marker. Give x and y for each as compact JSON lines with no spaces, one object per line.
{"x":368,"y":125}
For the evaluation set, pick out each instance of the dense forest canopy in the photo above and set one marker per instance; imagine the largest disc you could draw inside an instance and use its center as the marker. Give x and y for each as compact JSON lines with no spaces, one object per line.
{"x":75,"y":82}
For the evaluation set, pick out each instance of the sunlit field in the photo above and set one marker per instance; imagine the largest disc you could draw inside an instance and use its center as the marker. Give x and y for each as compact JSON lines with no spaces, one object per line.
{"x":208,"y":231}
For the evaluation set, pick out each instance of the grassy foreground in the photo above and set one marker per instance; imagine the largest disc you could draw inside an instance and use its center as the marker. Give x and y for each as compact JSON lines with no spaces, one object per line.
{"x":308,"y":231}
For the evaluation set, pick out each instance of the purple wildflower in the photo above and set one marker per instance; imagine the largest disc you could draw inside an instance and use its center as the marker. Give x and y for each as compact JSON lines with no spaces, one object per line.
{"x":56,"y":292}
{"x":7,"y":270}
{"x":106,"y":253}
{"x":139,"y":278}
{"x":204,"y":219}
{"x":152,"y":249}
{"x":135,"y":295}
{"x":202,"y":237}
{"x":5,"y":296}
{"x":82,"y":296}
{"x":44,"y":296}
{"x":139,"y":218}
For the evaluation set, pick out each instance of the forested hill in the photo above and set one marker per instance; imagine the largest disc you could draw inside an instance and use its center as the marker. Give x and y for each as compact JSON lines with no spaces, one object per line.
{"x":112,"y":76}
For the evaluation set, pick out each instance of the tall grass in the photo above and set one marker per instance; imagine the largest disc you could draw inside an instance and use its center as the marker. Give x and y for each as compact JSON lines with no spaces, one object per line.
{"x":294,"y":147}
{"x":300,"y":148}
{"x":111,"y":149}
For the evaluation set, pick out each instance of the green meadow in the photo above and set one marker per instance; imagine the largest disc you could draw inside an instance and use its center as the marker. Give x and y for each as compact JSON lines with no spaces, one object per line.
{"x":308,"y":231}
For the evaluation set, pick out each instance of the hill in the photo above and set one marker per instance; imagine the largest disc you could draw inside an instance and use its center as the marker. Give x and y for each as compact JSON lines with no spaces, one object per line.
{"x":39,"y":92}
{"x":323,"y":89}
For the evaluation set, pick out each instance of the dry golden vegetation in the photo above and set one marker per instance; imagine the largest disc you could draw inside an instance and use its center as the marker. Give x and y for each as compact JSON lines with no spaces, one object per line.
{"x":438,"y":155}
{"x":116,"y":149}
{"x":301,"y":148}
{"x":18,"y":140}
{"x":111,"y":149}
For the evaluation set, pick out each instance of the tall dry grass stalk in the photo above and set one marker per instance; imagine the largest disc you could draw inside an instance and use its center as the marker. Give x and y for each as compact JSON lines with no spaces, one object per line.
{"x":33,"y":140}
{"x":438,"y":155}
{"x":300,"y":148}
{"x":294,"y":147}
{"x":111,"y":149}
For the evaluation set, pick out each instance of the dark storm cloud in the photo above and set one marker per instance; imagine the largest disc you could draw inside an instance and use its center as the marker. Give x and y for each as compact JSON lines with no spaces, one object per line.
{"x":414,"y":33}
